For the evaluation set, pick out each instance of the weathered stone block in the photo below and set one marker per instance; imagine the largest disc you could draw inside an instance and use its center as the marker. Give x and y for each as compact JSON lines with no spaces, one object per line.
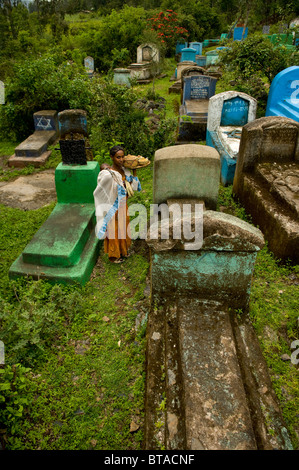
{"x":266,"y":181}
{"x":187,"y":171}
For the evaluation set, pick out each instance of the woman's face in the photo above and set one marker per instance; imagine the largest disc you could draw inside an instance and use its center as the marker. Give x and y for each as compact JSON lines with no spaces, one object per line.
{"x":118,"y":159}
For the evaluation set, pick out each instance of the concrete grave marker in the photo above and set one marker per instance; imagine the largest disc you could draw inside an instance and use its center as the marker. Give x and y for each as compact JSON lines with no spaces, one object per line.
{"x":89,"y":65}
{"x":283,"y":98}
{"x":147,"y":53}
{"x":34,"y":150}
{"x":122,"y":76}
{"x":228,"y":112}
{"x":2,"y":93}
{"x":188,"y":54}
{"x":196,"y":94}
{"x":214,"y":367}
{"x":267,"y":181}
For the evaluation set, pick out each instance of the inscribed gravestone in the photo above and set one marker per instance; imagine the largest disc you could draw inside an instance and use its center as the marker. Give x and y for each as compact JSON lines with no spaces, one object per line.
{"x":234,"y":112}
{"x":198,"y":87}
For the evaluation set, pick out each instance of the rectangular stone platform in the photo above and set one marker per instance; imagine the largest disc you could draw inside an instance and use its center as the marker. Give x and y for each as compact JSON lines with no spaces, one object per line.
{"x":64,"y":249}
{"x":35,"y":144}
{"x":61,"y":239}
{"x":207,"y":366}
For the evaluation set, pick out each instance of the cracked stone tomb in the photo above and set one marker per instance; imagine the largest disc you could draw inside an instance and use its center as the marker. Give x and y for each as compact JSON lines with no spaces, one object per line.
{"x":207,"y":387}
{"x":267,"y":181}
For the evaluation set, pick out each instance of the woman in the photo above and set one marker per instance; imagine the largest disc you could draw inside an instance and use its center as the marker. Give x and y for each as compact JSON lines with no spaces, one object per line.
{"x":110,"y":198}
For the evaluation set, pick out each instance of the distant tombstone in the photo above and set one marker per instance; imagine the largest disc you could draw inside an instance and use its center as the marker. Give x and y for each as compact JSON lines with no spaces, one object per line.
{"x":89,"y":64}
{"x":147,"y":53}
{"x":198,"y":87}
{"x":184,"y":65}
{"x":238,"y":33}
{"x":266,"y":29}
{"x":188,"y":54}
{"x":201,"y":60}
{"x":283,"y":98}
{"x":180,"y":46}
{"x":122,"y":76}
{"x":212,"y":57}
{"x":197,"y":46}
{"x":2,"y":93}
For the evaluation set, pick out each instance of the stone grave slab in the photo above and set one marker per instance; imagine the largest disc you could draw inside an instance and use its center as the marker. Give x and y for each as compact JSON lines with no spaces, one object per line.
{"x":266,"y":181}
{"x":34,"y":150}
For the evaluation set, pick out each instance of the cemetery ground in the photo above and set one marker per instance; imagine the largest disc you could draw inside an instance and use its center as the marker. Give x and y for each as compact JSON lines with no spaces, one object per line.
{"x":75,"y":356}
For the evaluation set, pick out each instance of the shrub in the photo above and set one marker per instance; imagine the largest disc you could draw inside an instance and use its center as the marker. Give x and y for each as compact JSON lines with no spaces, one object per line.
{"x":44,"y":83}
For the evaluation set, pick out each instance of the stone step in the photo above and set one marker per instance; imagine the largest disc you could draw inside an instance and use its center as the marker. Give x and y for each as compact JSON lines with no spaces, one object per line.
{"x":61,"y":239}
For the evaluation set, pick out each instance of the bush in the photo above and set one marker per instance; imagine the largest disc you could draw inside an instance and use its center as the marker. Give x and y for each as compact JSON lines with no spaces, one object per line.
{"x":257,"y":56}
{"x":48,"y":82}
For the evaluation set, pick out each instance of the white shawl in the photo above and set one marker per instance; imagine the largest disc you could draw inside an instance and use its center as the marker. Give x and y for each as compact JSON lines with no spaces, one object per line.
{"x":109,"y":194}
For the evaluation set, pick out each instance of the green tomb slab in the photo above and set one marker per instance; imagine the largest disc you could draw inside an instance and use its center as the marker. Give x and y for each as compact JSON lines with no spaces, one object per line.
{"x":65,"y":248}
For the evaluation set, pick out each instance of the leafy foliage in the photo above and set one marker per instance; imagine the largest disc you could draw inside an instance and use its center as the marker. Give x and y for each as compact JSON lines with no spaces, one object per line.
{"x":44,"y":83}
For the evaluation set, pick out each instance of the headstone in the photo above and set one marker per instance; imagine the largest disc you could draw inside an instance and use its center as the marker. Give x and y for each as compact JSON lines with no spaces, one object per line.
{"x":89,"y":64}
{"x":267,"y":181}
{"x":122,"y":76}
{"x":228,"y":112}
{"x":198,"y":87}
{"x":186,"y":171}
{"x":238,"y":33}
{"x":72,"y":121}
{"x":193,"y":113}
{"x":188,"y":54}
{"x":283,"y":98}
{"x":45,"y":120}
{"x":2,"y":93}
{"x":197,"y":46}
{"x":147,"y":53}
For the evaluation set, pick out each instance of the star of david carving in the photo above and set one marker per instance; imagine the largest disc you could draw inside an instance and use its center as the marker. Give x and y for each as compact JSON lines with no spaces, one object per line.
{"x":44,"y":123}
